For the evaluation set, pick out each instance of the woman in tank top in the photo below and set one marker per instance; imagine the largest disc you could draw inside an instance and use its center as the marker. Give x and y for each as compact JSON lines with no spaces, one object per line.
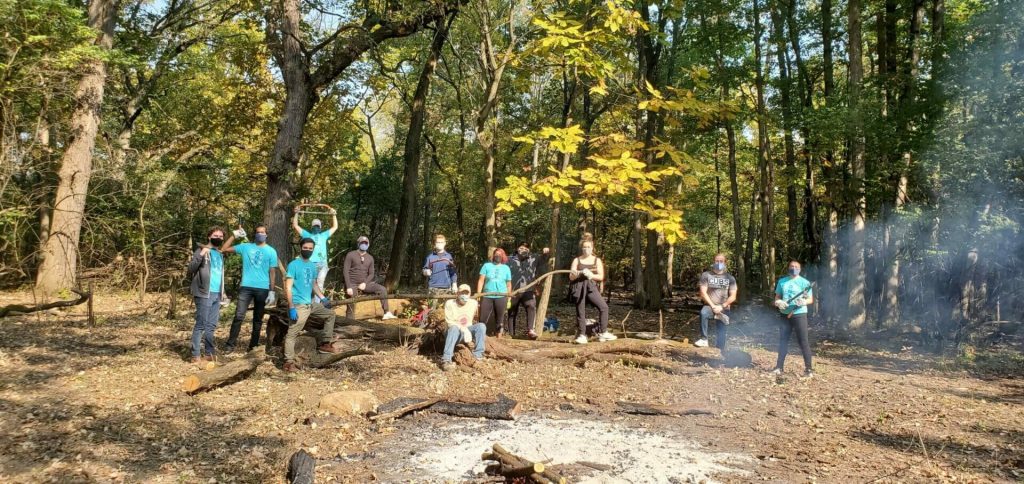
{"x":587,"y":272}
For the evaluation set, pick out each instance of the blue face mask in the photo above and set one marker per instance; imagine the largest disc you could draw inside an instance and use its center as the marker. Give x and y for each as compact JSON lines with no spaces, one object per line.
{"x":364,"y":246}
{"x":719,"y":266}
{"x":794,"y":271}
{"x":316,"y":229}
{"x":260,"y":238}
{"x":463,"y":298}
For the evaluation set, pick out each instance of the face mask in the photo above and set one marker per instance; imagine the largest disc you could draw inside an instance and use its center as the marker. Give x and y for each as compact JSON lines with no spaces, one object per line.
{"x":306,"y":254}
{"x":524,"y":254}
{"x":719,"y":266}
{"x":496,"y":259}
{"x":463,"y":298}
{"x":439,"y":247}
{"x":588,"y":251}
{"x":316,"y":229}
{"x":260,"y":238}
{"x":216,"y":241}
{"x":794,"y":271}
{"x":364,"y":246}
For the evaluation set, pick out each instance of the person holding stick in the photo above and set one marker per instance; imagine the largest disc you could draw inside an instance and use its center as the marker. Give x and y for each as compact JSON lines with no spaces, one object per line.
{"x":792,"y":296}
{"x":320,"y":238}
{"x":586,"y":272}
{"x":525,"y":267}
{"x":460,"y":315}
{"x":206,"y":269}
{"x":360,"y":278}
{"x":439,"y":269}
{"x":305,"y":299}
{"x":259,"y":263}
{"x":495,"y":277}
{"x":718,"y":291}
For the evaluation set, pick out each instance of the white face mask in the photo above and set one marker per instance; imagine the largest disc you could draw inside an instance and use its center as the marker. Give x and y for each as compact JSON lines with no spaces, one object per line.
{"x":588,"y":250}
{"x":439,"y":246}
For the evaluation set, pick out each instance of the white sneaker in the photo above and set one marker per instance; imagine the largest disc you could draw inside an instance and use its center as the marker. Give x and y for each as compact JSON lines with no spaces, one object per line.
{"x":701,"y":343}
{"x":388,"y":315}
{"x":581,"y":339}
{"x":606,"y":336}
{"x":776,"y":372}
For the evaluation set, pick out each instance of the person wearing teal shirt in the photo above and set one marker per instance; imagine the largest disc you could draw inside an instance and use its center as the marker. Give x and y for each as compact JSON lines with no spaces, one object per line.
{"x":792,"y":296}
{"x":259,"y":261}
{"x":305,"y":299}
{"x":206,"y":269}
{"x":495,"y":276}
{"x":320,"y":237}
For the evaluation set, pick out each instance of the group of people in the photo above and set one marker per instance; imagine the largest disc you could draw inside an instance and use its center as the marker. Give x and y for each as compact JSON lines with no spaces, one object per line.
{"x":505,"y":286}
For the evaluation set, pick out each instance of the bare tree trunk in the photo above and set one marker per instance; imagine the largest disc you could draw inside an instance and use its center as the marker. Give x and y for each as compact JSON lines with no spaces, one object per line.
{"x":59,"y":269}
{"x":785,"y":88}
{"x":765,"y":166}
{"x":856,"y":267}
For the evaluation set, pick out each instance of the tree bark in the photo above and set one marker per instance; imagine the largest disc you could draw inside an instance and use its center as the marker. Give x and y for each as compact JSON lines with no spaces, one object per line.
{"x":413,"y":152}
{"x":59,"y":269}
{"x":785,"y":90}
{"x":765,"y":166}
{"x":855,"y":269}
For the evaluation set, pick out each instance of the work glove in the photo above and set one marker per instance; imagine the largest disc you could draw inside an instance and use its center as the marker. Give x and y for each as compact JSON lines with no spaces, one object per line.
{"x":239,"y":233}
{"x":781,"y":305}
{"x":325,"y":302}
{"x":349,"y":291}
{"x":293,"y":315}
{"x":455,"y":287}
{"x":588,"y":274}
{"x":271,"y":298}
{"x":508,"y":305}
{"x":427,"y":272}
{"x":362,"y":286}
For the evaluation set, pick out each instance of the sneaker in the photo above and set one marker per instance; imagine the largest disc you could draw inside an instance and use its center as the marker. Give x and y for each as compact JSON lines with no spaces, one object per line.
{"x":196,"y":360}
{"x":808,"y":375}
{"x":447,"y":366}
{"x":212,"y":358}
{"x":701,"y":343}
{"x":531,"y":335}
{"x":327,"y":348}
{"x":581,"y":339}
{"x":388,"y":315}
{"x":229,"y":349}
{"x":606,"y":336}
{"x":290,"y":367}
{"x":776,"y":372}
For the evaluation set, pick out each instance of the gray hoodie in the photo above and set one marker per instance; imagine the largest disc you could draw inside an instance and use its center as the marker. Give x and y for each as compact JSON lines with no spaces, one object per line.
{"x":199,"y":271}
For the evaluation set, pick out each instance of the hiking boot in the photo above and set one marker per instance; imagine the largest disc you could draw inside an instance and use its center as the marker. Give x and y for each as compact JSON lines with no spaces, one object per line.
{"x":228,"y":349}
{"x":388,"y":315}
{"x":196,"y":360}
{"x":212,"y":358}
{"x":581,"y":339}
{"x":606,"y":336}
{"x":447,"y":366}
{"x":327,"y":348}
{"x":290,"y":367}
{"x":701,"y":343}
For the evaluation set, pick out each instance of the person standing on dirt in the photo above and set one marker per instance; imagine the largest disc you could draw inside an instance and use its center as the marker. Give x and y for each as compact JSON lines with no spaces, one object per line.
{"x":495,"y":277}
{"x":206,"y":269}
{"x":525,"y":267}
{"x":320,"y":237}
{"x":305,"y":299}
{"x":439,"y":269}
{"x":360,"y":278}
{"x":259,"y":263}
{"x":793,"y":294}
{"x":718,"y":291}
{"x":585,"y":273}
{"x":460,"y":315}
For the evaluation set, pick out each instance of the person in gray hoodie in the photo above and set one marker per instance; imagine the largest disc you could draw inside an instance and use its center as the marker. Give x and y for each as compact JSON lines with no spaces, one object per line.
{"x":207,"y":272}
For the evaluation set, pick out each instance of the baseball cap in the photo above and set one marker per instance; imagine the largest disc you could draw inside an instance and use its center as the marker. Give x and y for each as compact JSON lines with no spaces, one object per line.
{"x":317,"y":221}
{"x":362,"y":238}
{"x":465,"y":288}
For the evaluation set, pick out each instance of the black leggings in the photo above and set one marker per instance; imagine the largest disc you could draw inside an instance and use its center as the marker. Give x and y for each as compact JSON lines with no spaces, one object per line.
{"x":799,"y":323}
{"x":527,"y":300}
{"x":493,"y":309}
{"x":595,"y":299}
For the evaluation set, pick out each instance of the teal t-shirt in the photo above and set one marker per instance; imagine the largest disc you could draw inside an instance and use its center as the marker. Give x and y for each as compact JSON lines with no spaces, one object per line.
{"x":495,"y":277}
{"x":788,"y":287}
{"x":303,"y":276}
{"x":216,"y":270}
{"x":256,"y":264}
{"x":320,"y":249}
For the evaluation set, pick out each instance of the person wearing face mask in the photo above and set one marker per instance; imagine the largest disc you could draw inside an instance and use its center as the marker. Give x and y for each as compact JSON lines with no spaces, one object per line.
{"x":793,"y":294}
{"x":440,"y":271}
{"x":460,"y":315}
{"x":305,"y":299}
{"x":360,"y":278}
{"x":206,"y":269}
{"x":718,"y":291}
{"x":259,"y":263}
{"x":586,"y":272}
{"x":495,"y":277}
{"x":525,"y":267}
{"x":321,"y":237}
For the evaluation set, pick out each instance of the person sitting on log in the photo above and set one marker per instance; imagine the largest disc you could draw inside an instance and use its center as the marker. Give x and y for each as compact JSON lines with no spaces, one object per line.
{"x":206,"y":269}
{"x":586,"y":272}
{"x":259,"y":262}
{"x":460,"y":314}
{"x":320,"y":236}
{"x":305,"y":299}
{"x":525,"y":267}
{"x":718,"y":291}
{"x":360,"y":278}
{"x":495,"y":277}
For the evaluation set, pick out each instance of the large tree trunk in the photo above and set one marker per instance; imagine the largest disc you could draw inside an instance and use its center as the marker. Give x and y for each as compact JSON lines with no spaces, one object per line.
{"x":413,"y":151}
{"x":785,"y":89}
{"x":765,"y":166}
{"x":855,"y":269}
{"x":59,"y":269}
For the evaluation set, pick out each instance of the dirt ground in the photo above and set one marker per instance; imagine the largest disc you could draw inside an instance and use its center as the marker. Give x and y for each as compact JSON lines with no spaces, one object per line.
{"x":102,"y":403}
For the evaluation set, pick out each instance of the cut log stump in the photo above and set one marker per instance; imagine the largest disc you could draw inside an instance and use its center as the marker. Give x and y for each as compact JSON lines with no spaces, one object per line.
{"x":224,"y":375}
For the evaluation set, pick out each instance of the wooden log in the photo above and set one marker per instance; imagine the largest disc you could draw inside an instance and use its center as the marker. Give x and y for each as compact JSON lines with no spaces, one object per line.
{"x":464,"y":356}
{"x":654,"y":409}
{"x":301,"y":468}
{"x":503,"y":408}
{"x":401,"y":407}
{"x":666,"y":366}
{"x":223,"y":375}
{"x":511,"y":460}
{"x":22,"y":309}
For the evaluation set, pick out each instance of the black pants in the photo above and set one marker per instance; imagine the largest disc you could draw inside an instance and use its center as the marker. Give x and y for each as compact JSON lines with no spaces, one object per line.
{"x":371,"y":288}
{"x":528,"y":300}
{"x":258,"y":298}
{"x":799,"y":323}
{"x":595,"y":299}
{"x":492,"y":314}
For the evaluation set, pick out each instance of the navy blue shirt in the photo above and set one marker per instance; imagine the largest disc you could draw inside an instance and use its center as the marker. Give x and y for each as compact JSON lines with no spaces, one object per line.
{"x":442,"y":270}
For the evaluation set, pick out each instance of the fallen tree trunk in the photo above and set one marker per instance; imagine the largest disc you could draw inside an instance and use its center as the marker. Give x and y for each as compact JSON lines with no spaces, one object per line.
{"x":223,"y":375}
{"x":344,"y":328}
{"x":503,"y":408}
{"x":513,"y":466}
{"x":516,"y":351}
{"x":301,"y":468}
{"x":21,"y":309}
{"x":653,"y":409}
{"x":669,"y":367}
{"x":307,"y":355}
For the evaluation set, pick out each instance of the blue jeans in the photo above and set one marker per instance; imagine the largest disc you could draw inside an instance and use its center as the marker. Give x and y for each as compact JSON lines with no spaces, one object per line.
{"x":454,"y":337}
{"x":207,"y":314}
{"x":706,"y":316}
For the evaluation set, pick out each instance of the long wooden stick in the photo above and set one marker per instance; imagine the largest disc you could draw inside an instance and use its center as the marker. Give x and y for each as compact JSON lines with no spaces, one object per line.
{"x":18,"y":308}
{"x":521,"y":290}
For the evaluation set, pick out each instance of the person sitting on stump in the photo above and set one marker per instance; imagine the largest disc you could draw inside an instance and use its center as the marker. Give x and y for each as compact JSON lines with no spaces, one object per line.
{"x":460,"y":315}
{"x":305,"y":299}
{"x":718,"y":291}
{"x":360,"y":278}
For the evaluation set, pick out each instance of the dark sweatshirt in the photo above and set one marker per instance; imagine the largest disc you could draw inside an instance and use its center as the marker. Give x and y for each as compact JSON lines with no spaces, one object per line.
{"x":358,"y":269}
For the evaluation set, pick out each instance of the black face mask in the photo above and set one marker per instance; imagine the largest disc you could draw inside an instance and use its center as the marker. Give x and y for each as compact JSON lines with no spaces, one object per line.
{"x":216,"y":242}
{"x":496,"y":259}
{"x":524,"y":255}
{"x":306,"y":254}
